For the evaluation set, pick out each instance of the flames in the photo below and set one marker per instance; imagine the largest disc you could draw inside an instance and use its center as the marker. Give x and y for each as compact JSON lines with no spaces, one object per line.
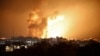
{"x":45,"y":27}
{"x":54,"y":27}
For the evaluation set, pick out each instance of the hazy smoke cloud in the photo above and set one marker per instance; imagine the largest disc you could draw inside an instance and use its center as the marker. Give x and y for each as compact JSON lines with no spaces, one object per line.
{"x":82,"y":16}
{"x":36,"y":23}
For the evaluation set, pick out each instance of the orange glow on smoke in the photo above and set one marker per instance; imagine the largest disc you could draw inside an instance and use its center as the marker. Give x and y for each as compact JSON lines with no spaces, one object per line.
{"x":35,"y":24}
{"x":47,"y":27}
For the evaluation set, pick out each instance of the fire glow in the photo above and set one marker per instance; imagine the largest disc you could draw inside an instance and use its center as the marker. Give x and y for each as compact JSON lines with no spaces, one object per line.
{"x":46,"y":27}
{"x":54,"y":27}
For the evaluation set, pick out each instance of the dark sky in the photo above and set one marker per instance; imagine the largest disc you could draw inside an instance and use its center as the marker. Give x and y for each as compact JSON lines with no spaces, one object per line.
{"x":14,"y":14}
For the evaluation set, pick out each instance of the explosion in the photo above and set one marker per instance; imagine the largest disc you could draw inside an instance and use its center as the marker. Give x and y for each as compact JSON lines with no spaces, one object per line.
{"x":45,"y":27}
{"x":46,"y":24}
{"x":54,"y":27}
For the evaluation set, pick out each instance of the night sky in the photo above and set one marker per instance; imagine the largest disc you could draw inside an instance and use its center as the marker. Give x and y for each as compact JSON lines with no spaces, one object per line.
{"x":85,"y":21}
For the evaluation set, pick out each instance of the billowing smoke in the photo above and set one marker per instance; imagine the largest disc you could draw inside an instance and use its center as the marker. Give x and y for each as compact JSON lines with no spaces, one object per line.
{"x":37,"y":24}
{"x":80,"y":18}
{"x":36,"y":21}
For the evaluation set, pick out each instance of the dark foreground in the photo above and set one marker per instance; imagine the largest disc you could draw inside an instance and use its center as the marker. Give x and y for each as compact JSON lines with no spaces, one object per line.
{"x":61,"y":48}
